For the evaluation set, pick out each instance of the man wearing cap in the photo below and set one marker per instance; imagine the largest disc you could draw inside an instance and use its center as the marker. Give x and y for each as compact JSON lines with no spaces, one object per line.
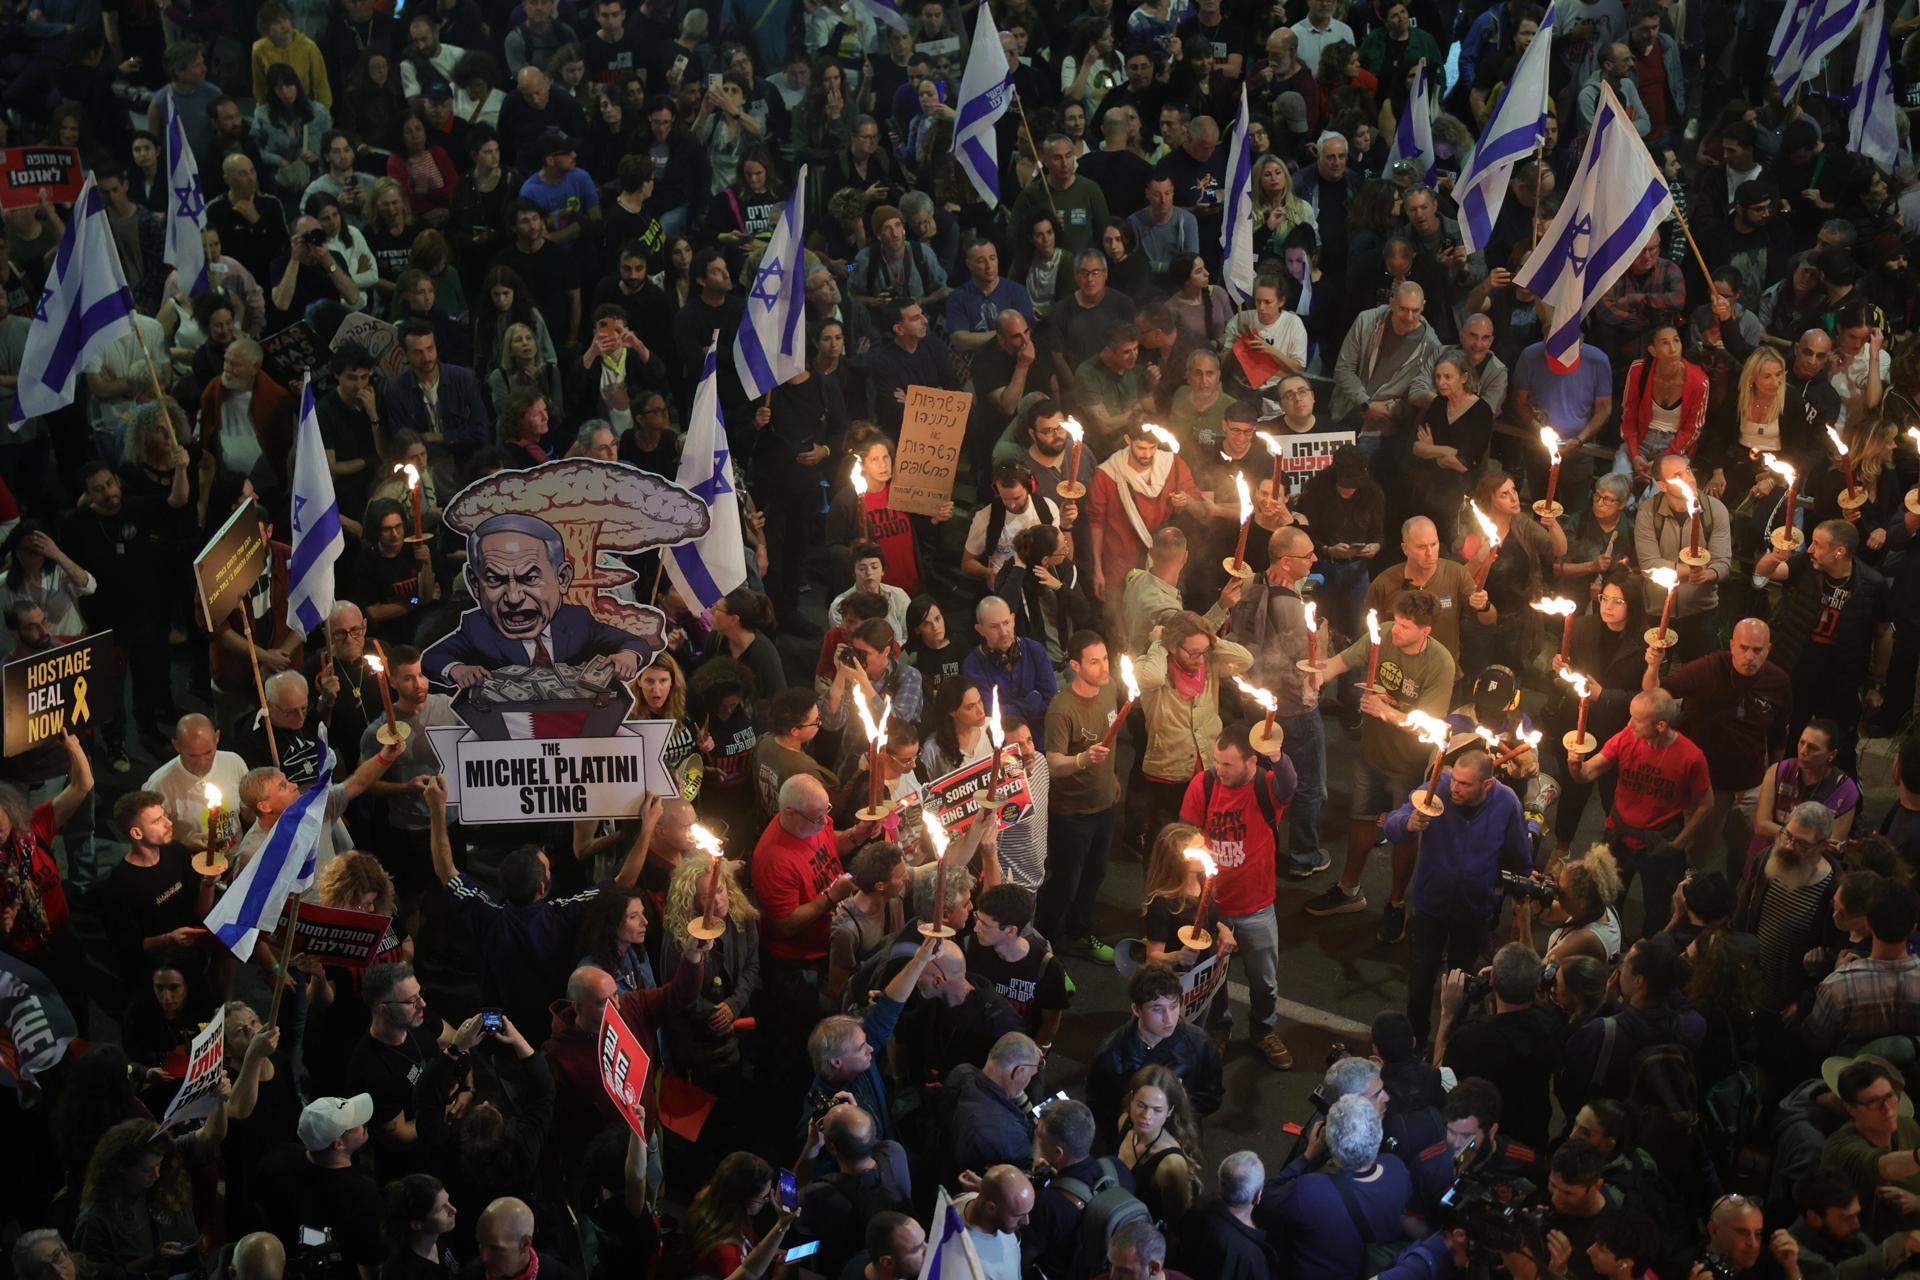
{"x":895,"y":267}
{"x":445,"y":125}
{"x":1752,"y":239}
{"x":1879,"y":1146}
{"x":317,"y":1186}
{"x":565,"y":194}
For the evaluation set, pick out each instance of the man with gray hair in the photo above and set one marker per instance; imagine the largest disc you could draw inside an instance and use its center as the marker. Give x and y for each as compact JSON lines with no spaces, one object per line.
{"x":296,"y":729}
{"x":1078,"y":206}
{"x":1385,"y":351}
{"x":1323,"y":1220}
{"x":1198,"y":170}
{"x":1514,"y":1041}
{"x":1137,"y":1251}
{"x":1660,"y":804}
{"x":1787,"y":902}
{"x":988,"y":1122}
{"x":1063,"y":1144}
{"x":1218,"y":1238}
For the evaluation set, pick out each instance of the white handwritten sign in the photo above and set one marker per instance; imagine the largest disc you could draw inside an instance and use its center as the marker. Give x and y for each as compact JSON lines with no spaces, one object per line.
{"x":933,"y":431}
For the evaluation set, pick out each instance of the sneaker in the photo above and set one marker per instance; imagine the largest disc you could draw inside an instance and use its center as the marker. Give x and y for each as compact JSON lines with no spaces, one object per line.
{"x":117,"y":757}
{"x":1393,"y":923}
{"x":1275,"y":1051}
{"x":1322,"y":860}
{"x":1336,"y":901}
{"x":1098,"y":951}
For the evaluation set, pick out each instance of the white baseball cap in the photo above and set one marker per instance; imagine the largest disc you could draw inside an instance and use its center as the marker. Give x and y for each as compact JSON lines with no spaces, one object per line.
{"x":326,"y":1120}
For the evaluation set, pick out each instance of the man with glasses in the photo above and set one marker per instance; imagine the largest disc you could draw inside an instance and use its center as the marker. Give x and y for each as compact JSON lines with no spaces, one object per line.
{"x":782,"y":754}
{"x":386,"y":1063}
{"x":1083,"y":320}
{"x":1879,"y":1146}
{"x":1385,"y":350}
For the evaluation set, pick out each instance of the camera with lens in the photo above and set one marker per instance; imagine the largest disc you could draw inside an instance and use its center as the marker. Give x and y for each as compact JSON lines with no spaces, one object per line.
{"x":845,"y":656}
{"x":1719,"y":1266}
{"x":1479,"y":987}
{"x":1548,"y":972}
{"x":1321,"y":1100}
{"x":1544,"y":892}
{"x":314,"y":236}
{"x":1497,"y":1215}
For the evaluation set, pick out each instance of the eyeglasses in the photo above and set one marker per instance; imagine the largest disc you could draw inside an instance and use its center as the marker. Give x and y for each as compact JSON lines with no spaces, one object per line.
{"x":1879,"y":1102}
{"x":410,"y":1002}
{"x":1733,"y":1198}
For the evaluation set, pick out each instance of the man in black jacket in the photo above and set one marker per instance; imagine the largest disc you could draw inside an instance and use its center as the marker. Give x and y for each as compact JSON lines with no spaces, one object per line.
{"x":1157,"y":1034}
{"x":868,"y":1178}
{"x":1063,"y":1141}
{"x":987,"y":1118}
{"x":316,"y":1187}
{"x":1218,"y":1238}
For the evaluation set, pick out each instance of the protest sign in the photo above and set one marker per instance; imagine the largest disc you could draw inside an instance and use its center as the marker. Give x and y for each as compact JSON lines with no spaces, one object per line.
{"x":35,"y":1028}
{"x":932,"y":432}
{"x":623,"y":1067}
{"x":293,"y":353}
{"x":351,"y":939}
{"x":527,"y":779}
{"x":380,"y":338}
{"x":1301,"y":456}
{"x":951,"y":796}
{"x":56,"y":691}
{"x":231,"y":562}
{"x":206,"y":1067}
{"x":1199,"y":985}
{"x":26,"y":172}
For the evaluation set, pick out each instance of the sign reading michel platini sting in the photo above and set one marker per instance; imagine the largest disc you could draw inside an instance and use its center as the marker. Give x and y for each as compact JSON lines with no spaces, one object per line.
{"x":541,"y":667}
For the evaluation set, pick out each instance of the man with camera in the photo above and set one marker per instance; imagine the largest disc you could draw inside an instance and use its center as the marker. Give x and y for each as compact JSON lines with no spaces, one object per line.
{"x":1342,"y":1198}
{"x":1456,"y":889}
{"x":1516,"y":1045}
{"x":310,"y":273}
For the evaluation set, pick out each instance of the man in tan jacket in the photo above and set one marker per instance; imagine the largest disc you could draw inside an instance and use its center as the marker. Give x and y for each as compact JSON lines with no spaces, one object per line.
{"x":1180,"y":679}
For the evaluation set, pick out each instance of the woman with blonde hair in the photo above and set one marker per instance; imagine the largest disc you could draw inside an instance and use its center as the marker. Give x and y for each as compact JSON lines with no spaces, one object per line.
{"x":1169,"y":897}
{"x":523,"y":369}
{"x":1585,"y":922}
{"x":1160,"y":1141}
{"x":1277,"y":211}
{"x":1870,"y":440}
{"x":390,"y":233}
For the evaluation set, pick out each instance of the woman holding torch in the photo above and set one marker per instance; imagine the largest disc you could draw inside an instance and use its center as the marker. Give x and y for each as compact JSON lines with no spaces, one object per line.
{"x":1610,"y":648}
{"x":1509,"y":554}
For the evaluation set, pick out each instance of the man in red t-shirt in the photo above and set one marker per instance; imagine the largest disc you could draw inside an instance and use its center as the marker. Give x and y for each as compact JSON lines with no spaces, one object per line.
{"x":1663,"y":796}
{"x":1225,"y":803}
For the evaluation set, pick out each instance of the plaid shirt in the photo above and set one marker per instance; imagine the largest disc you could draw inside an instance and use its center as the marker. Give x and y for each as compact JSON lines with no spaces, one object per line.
{"x":1864,"y":1001}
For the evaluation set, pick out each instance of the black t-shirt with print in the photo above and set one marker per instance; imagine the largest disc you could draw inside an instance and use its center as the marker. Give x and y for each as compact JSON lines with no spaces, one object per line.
{"x":1033,"y":984}
{"x":146,"y":901}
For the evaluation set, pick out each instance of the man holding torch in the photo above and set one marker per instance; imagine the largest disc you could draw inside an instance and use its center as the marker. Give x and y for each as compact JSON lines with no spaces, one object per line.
{"x":1663,"y":537}
{"x":1415,"y":674}
{"x":1084,"y":799}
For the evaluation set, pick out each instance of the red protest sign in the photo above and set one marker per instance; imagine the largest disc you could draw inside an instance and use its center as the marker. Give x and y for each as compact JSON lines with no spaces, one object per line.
{"x":623,"y":1068}
{"x":27,"y":171}
{"x":351,"y":939}
{"x":951,"y":797}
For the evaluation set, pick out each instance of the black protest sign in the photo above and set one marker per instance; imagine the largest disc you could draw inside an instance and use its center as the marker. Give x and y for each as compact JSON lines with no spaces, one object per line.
{"x":231,"y":562}
{"x":292,"y":353}
{"x":58,"y":691}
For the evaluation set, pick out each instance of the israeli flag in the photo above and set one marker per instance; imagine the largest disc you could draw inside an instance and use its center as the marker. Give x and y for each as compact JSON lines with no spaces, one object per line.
{"x":84,"y":308}
{"x":1808,"y":31}
{"x":1236,"y":222}
{"x":705,"y":569}
{"x":1872,"y":126}
{"x":286,"y":864}
{"x":770,"y":347}
{"x":1512,"y":133}
{"x":950,"y":1253}
{"x":1413,"y":140}
{"x":1614,"y":204}
{"x":888,"y":12}
{"x":986,"y":90}
{"x":317,"y":539}
{"x":186,"y":210}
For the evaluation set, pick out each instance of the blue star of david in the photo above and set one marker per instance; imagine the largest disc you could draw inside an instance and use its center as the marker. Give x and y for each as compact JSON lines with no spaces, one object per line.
{"x":192,"y":203}
{"x":40,"y":308}
{"x":1582,"y":229}
{"x":766,"y":286}
{"x":715,"y":485}
{"x":298,"y":502}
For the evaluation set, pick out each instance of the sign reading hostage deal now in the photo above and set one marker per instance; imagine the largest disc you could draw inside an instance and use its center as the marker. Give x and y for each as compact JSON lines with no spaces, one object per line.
{"x":58,"y":691}
{"x":25,"y":172}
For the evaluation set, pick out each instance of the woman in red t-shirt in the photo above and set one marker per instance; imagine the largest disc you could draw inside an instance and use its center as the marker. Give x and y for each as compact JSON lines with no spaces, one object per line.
{"x":33,"y":901}
{"x":720,"y":1219}
{"x":863,"y":517}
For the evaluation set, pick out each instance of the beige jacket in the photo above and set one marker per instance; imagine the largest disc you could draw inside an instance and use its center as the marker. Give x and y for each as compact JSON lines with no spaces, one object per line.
{"x":1181,"y":733}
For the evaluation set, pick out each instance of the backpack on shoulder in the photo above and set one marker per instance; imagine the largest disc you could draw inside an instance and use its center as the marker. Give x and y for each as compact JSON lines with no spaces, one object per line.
{"x":1105,"y":1207}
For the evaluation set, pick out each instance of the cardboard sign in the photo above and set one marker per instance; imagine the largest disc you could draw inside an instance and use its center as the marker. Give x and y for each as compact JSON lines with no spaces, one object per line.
{"x":1301,"y":456}
{"x":932,"y":434}
{"x":381,"y":339}
{"x":351,"y":939}
{"x":1199,"y":985}
{"x":539,"y":779}
{"x":230,"y":563}
{"x":951,"y":797}
{"x":292,"y":354}
{"x":25,"y":172}
{"x":206,"y":1066}
{"x":61,"y":690}
{"x":623,"y":1067}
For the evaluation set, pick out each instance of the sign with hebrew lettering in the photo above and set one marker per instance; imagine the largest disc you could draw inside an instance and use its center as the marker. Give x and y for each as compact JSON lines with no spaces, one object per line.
{"x":27,"y":172}
{"x":231,"y":563}
{"x":623,"y":1068}
{"x":933,"y":432}
{"x":59,"y":690}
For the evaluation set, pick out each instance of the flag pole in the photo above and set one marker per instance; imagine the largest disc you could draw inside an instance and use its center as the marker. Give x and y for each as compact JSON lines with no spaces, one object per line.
{"x":1033,"y":145}
{"x":253,"y":660}
{"x":153,"y":373}
{"x":286,"y":952}
{"x":1539,"y":192}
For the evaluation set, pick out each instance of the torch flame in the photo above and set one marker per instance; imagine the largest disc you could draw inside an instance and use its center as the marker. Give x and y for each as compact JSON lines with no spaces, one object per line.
{"x":1685,"y":491}
{"x":936,"y":834}
{"x":1428,"y":729}
{"x":994,"y":734}
{"x":708,"y":842}
{"x":1531,"y":739}
{"x":1373,"y":626}
{"x":876,"y":729}
{"x":1260,"y":697}
{"x":1074,"y":430}
{"x":1782,"y":469}
{"x":859,"y":477}
{"x":1126,"y":678}
{"x":1272,"y":442}
{"x":1914,"y":434}
{"x":1581,"y":689}
{"x":1197,"y":853}
{"x":1487,"y":530}
{"x":1164,"y":436}
{"x":1665,"y":579}
{"x":212,"y":793}
{"x":373,"y":662}
{"x":1313,"y":616}
{"x":1487,"y":736}
{"x":1555,"y":606}
{"x":411,"y":472}
{"x":1246,"y":496}
{"x":1550,"y":441}
{"x":1839,"y":445}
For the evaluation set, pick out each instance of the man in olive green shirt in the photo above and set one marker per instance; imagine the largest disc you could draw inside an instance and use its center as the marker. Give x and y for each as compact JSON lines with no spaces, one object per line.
{"x":1449,"y":582}
{"x":1084,"y":798}
{"x":1877,"y":1148}
{"x":1416,"y":674}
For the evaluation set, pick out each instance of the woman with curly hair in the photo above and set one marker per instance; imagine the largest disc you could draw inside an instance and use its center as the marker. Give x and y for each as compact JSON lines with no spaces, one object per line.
{"x":1040,"y":263}
{"x":1583,"y":918}
{"x":136,"y":1207}
{"x":613,"y":936}
{"x":701,"y":1033}
{"x":823,"y":122}
{"x":390,"y":233}
{"x":1160,"y":1141}
{"x":1340,"y":67}
{"x":720,"y":1228}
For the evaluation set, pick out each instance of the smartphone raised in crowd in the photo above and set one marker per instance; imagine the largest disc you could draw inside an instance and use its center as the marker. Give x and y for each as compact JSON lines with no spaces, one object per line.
{"x":789,"y":1190}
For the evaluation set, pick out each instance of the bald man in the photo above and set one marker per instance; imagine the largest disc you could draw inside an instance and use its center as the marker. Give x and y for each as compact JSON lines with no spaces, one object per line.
{"x":259,"y":1256}
{"x":505,"y":1237}
{"x":994,"y":1216}
{"x":954,"y":1020}
{"x":848,"y":1176}
{"x":537,"y":104}
{"x":181,"y":781}
{"x":1735,"y":707}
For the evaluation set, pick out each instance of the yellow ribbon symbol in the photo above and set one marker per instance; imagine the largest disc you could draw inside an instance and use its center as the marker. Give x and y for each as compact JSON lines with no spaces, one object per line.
{"x":79,"y":700}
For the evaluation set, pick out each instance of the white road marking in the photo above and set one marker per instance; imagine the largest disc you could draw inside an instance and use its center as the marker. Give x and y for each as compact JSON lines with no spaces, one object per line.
{"x":1294,"y":1011}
